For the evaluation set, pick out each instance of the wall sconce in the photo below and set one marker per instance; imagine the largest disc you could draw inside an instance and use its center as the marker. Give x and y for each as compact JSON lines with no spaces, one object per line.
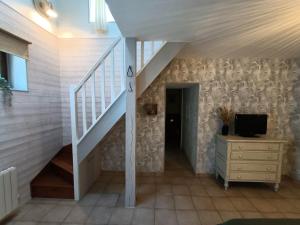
{"x":45,"y":7}
{"x":150,"y":109}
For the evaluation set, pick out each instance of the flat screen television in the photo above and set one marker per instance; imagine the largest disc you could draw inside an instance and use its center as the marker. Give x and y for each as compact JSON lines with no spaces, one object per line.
{"x":250,"y":125}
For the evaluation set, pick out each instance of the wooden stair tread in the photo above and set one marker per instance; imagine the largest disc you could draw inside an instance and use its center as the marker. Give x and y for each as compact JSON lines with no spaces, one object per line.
{"x":49,"y":179}
{"x":63,"y":164}
{"x":56,"y":179}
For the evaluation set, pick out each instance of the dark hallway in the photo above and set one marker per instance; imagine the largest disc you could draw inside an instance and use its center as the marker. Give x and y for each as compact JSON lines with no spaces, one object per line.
{"x":173,"y":119}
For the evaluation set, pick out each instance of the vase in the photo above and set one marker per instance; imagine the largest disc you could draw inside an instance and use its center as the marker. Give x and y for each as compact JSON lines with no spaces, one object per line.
{"x":225,"y":130}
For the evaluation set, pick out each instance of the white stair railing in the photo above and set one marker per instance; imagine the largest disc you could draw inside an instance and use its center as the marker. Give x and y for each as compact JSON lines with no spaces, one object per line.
{"x":145,"y":51}
{"x":103,"y":84}
{"x":97,"y":91}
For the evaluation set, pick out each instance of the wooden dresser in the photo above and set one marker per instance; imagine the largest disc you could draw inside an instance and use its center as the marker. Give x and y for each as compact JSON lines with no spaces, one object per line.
{"x":242,"y":159}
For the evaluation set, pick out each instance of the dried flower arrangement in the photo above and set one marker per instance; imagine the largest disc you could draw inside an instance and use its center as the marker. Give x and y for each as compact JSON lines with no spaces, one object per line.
{"x":225,"y":115}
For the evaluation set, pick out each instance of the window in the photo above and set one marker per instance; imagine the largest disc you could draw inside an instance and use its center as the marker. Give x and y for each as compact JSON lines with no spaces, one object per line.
{"x":14,"y":69}
{"x":92,"y":13}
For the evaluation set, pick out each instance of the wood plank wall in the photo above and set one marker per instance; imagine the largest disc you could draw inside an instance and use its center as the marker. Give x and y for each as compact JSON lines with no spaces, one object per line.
{"x":31,"y":129}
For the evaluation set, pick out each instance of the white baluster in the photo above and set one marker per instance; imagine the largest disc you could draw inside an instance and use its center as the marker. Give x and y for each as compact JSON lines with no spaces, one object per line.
{"x":152,"y":48}
{"x":73,"y":110}
{"x":142,"y":54}
{"x":83,"y":109}
{"x":112,"y":79}
{"x":123,"y":71}
{"x":93,"y":98}
{"x":102,"y":88}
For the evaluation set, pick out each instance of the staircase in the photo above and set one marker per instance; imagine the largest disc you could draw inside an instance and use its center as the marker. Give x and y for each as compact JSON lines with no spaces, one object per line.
{"x":56,"y":179}
{"x":99,"y":101}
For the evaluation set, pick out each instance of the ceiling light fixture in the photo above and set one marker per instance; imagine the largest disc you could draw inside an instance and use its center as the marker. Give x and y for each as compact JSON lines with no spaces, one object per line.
{"x":45,"y":7}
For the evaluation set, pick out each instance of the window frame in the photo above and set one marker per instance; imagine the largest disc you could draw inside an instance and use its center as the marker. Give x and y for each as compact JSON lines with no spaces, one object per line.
{"x":8,"y":75}
{"x":92,"y":13}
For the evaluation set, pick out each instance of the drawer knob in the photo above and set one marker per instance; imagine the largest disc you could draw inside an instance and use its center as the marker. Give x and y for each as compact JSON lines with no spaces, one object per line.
{"x":268,"y":169}
{"x":239,"y":176}
{"x":240,"y":156}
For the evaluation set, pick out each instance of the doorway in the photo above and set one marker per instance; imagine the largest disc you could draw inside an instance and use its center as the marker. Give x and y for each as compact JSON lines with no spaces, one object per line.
{"x":173,"y":119}
{"x":181,"y":126}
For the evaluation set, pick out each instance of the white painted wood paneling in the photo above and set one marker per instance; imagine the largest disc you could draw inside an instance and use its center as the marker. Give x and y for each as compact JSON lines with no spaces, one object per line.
{"x":31,"y":129}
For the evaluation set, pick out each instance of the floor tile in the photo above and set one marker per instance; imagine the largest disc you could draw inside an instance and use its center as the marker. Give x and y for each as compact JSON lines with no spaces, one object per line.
{"x":242,"y":204}
{"x":251,"y":215}
{"x":143,"y":216}
{"x":203,"y":203}
{"x":36,"y":212}
{"x":283,"y":205}
{"x":114,"y":188}
{"x":228,"y":215}
{"x":215,"y":191}
{"x":263,"y":205}
{"x":99,"y":215}
{"x":180,"y":190}
{"x":223,"y":204}
{"x":146,"y":189}
{"x":198,"y":190}
{"x":24,"y":223}
{"x":121,"y":216}
{"x":165,"y":217}
{"x":57,"y":214}
{"x":145,"y":201}
{"x":78,"y":214}
{"x":164,"y":189}
{"x":183,"y":202}
{"x":187,"y":217}
{"x":165,"y":202}
{"x":209,"y":217}
{"x":108,"y":200}
{"x":89,"y":199}
{"x":292,"y":215}
{"x":273,"y":215}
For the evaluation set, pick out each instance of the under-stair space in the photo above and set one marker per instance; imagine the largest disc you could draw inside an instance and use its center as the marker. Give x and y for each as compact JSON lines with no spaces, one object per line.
{"x":56,"y":179}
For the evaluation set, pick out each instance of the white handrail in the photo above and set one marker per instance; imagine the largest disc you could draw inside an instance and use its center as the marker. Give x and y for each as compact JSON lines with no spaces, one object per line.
{"x":98,"y":63}
{"x":85,"y":88}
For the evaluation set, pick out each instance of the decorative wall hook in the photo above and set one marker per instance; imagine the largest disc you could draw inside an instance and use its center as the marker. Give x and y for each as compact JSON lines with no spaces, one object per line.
{"x":129,"y":72}
{"x":130,"y":87}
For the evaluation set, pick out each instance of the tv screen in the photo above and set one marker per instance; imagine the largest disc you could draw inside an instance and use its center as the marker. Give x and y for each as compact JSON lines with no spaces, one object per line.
{"x":250,"y":125}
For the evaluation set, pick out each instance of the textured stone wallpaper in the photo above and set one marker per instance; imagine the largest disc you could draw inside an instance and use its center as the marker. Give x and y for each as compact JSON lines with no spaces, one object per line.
{"x":247,"y":85}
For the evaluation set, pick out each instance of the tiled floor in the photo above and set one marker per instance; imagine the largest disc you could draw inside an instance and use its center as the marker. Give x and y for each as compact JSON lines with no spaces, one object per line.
{"x":176,"y":197}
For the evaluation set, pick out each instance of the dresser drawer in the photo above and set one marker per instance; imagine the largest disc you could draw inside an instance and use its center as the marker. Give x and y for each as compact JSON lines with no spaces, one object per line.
{"x":255,"y":155}
{"x":253,"y":167}
{"x":252,"y":176}
{"x":256,"y":146}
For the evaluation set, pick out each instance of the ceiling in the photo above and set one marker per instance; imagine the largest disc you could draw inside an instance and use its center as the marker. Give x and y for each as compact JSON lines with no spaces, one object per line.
{"x":215,"y":28}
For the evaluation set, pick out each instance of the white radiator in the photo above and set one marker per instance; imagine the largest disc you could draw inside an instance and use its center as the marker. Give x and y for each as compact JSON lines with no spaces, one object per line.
{"x":8,"y":192}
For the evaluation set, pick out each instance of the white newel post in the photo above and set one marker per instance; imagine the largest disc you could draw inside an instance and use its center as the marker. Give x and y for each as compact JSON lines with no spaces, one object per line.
{"x":130,"y":72}
{"x":73,"y":106}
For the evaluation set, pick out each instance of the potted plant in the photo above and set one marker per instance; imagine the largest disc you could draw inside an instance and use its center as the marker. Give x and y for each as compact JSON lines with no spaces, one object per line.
{"x":226,"y":116}
{"x":5,"y":88}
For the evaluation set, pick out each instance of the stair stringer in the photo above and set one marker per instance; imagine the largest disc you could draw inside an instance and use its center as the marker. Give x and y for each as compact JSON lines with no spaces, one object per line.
{"x":102,"y":127}
{"x":158,"y":62}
